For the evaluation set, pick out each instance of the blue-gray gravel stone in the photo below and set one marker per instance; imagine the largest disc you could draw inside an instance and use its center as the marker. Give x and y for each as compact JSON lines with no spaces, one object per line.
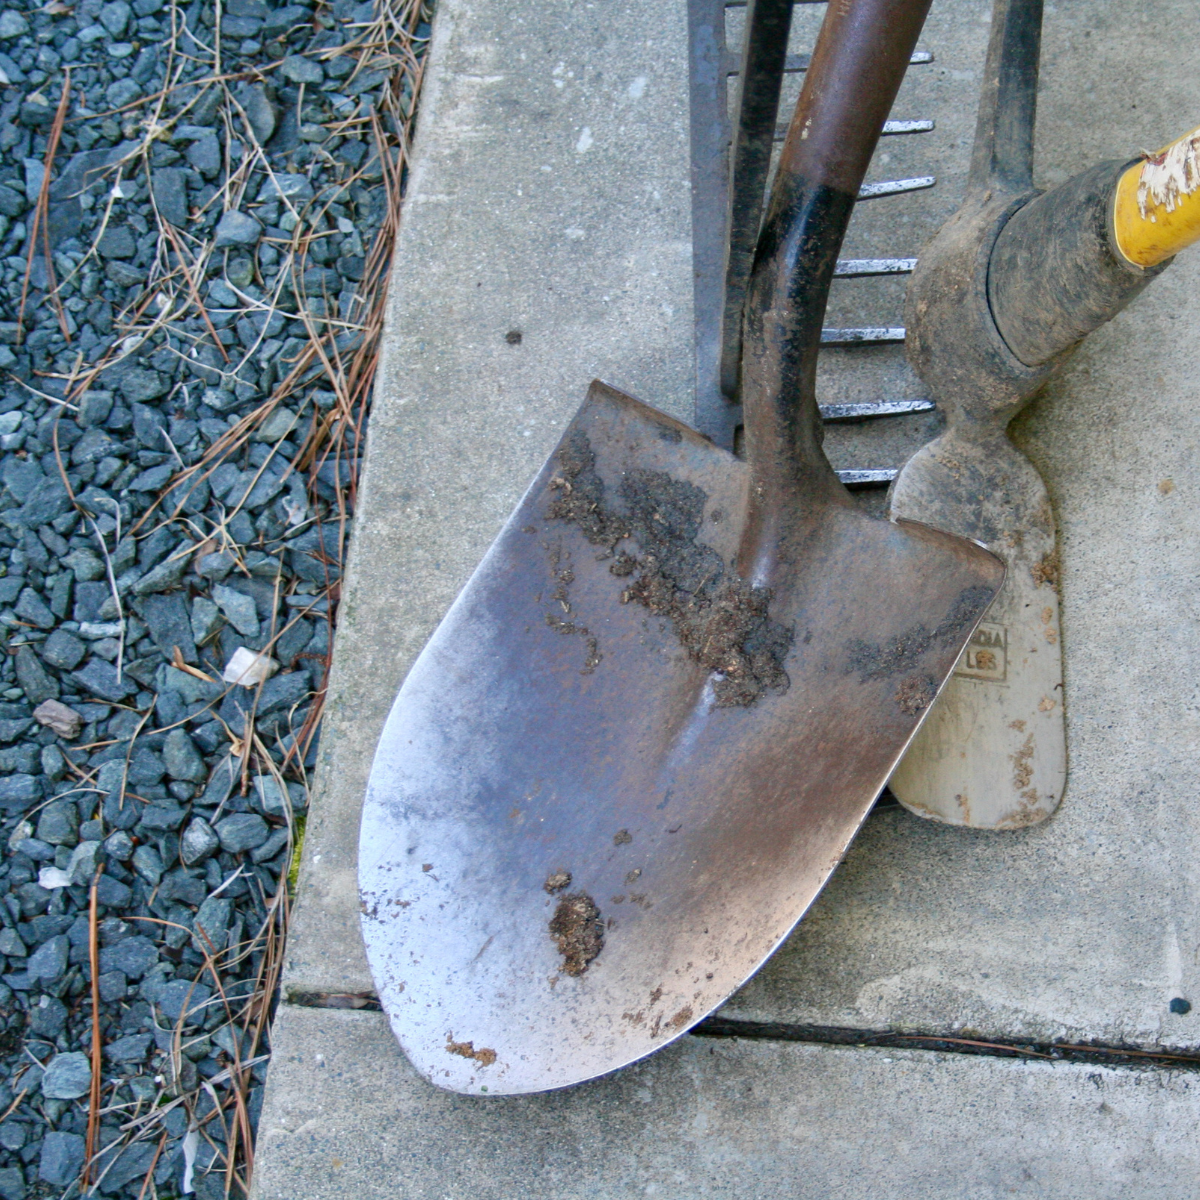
{"x":147,"y":862}
{"x":31,"y":607}
{"x":161,"y":817}
{"x":58,"y":823}
{"x":19,"y":790}
{"x":100,"y":678}
{"x":161,"y":578}
{"x":169,"y":186}
{"x":49,"y":961}
{"x":113,"y":986}
{"x":35,"y":681}
{"x":299,"y":69}
{"x":63,"y":650}
{"x":132,"y":956}
{"x":119,"y":846}
{"x":12,"y":25}
{"x":12,"y":1183}
{"x":11,"y":943}
{"x":237,"y":229}
{"x":241,"y":832}
{"x":139,"y":385}
{"x":211,"y":925}
{"x":132,"y":1048}
{"x":169,"y":625}
{"x":68,"y":1076}
{"x":182,"y":759}
{"x":115,"y":17}
{"x":199,"y":841}
{"x":239,"y":608}
{"x":181,"y":995}
{"x":82,"y":865}
{"x":62,"y":1158}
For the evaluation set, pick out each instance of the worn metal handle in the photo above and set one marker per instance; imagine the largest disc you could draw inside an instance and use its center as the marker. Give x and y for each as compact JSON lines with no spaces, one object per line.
{"x":1002,"y":154}
{"x":764,"y":55}
{"x":859,"y":61}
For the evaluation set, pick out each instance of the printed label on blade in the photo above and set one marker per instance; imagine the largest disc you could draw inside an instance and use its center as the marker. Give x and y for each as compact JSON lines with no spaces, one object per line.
{"x":986,"y":655}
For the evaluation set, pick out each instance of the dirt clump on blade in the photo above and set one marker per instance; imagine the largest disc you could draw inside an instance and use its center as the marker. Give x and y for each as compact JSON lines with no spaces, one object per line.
{"x":580,"y":498}
{"x":557,"y":880}
{"x":483,"y":1056}
{"x":722,"y":621}
{"x":577,"y":931}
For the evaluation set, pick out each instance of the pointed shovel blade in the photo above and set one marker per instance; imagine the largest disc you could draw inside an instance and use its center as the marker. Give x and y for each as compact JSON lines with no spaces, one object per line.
{"x":579,"y":837}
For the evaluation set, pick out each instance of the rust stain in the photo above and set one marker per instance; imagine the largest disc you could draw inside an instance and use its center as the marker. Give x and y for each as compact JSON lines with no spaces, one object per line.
{"x":1046,"y":570}
{"x":680,"y":1019}
{"x":916,"y":694}
{"x":1022,"y":762}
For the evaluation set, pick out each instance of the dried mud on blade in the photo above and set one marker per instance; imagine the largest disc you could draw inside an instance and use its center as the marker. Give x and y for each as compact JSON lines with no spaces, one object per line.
{"x":643,"y":736}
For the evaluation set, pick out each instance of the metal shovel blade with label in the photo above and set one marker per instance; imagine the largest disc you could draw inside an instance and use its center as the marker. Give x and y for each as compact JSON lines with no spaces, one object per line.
{"x":644,"y":735}
{"x":998,"y":301}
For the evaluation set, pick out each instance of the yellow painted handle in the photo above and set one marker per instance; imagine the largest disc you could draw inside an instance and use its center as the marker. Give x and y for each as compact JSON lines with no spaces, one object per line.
{"x":1157,"y":206}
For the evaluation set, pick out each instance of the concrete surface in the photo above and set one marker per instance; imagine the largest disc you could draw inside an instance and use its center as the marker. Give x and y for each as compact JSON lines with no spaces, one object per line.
{"x":548,"y":197}
{"x":718,"y":1119}
{"x":1085,"y":927}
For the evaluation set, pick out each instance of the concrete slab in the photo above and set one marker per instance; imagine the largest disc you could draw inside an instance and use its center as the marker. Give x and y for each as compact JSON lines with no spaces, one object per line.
{"x":1084,"y":927}
{"x":347,"y":1116}
{"x":545,"y":241}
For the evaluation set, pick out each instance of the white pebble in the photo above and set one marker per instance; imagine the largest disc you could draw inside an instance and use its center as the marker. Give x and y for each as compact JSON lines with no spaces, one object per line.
{"x":248,"y":668}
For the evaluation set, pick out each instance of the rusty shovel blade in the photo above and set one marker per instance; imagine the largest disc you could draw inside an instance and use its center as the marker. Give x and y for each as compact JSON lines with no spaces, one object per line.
{"x":578,"y":838}
{"x":644,"y":735}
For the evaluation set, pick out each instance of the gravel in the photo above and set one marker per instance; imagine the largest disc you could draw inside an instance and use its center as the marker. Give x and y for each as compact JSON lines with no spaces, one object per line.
{"x":169,"y":548}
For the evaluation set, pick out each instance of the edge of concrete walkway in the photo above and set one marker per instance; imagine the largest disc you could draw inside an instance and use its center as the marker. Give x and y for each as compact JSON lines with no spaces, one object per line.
{"x":722,"y":1120}
{"x":559,"y":164}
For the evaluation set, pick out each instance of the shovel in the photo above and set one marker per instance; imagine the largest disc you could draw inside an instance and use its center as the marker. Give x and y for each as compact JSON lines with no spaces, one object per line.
{"x":999,"y":301}
{"x":648,"y":728}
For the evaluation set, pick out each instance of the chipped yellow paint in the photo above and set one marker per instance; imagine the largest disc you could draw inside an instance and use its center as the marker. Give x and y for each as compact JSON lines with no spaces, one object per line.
{"x":1156,"y":210}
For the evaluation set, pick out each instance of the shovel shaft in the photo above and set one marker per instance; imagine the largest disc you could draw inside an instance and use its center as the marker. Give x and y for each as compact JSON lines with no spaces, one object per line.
{"x":856,"y":70}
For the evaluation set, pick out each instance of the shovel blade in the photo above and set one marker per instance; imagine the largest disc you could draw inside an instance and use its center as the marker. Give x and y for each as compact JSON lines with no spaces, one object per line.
{"x":993,"y":753}
{"x":576,"y":842}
